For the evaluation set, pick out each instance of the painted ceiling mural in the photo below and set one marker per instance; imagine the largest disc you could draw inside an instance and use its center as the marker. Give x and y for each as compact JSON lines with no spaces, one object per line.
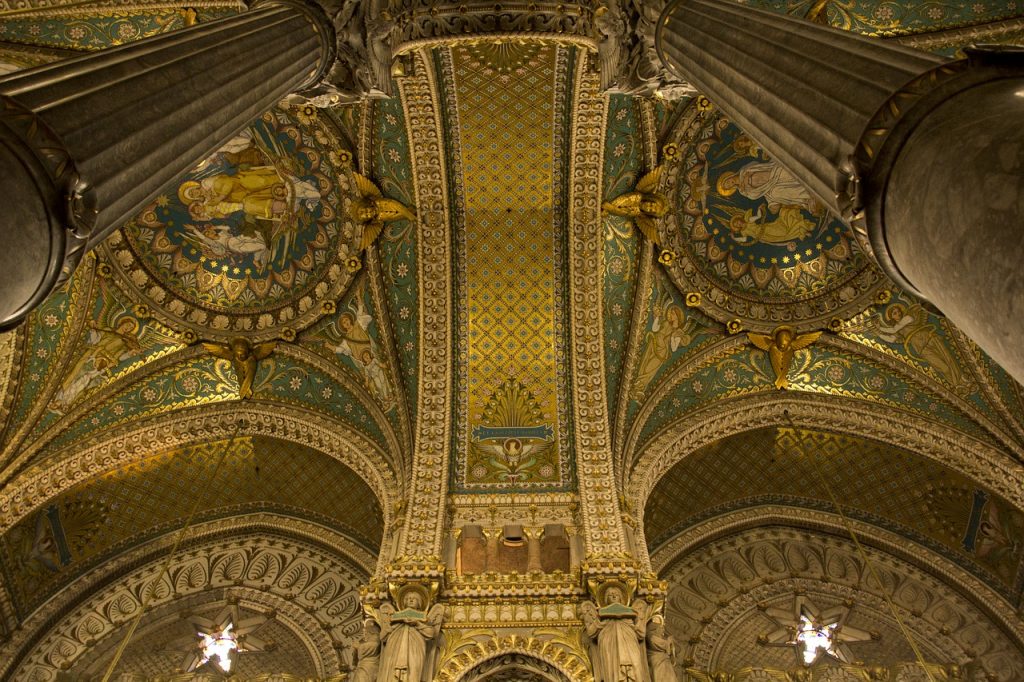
{"x":888,"y":17}
{"x":257,"y":237}
{"x":397,"y":245}
{"x":623,"y":166}
{"x":261,"y":241}
{"x":78,"y":29}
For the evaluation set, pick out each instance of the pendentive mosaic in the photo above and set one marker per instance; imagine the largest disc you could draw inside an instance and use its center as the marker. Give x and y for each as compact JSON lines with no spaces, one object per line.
{"x":255,"y":239}
{"x":750,"y":239}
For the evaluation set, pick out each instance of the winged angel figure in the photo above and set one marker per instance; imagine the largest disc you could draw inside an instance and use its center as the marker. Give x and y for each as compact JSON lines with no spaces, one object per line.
{"x":512,"y":457}
{"x":781,"y":345}
{"x":409,"y":638}
{"x":372,"y":210}
{"x":644,"y":205}
{"x":244,"y":358}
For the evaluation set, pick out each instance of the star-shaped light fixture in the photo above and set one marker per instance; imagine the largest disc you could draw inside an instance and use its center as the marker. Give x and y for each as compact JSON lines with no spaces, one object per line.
{"x":219,"y":645}
{"x":222,"y":638}
{"x":814,"y":633}
{"x":813,"y":637}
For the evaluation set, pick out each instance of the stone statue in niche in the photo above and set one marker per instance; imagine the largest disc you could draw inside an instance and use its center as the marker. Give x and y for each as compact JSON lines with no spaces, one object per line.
{"x":661,"y":652}
{"x":367,"y":654}
{"x":409,"y":636}
{"x":617,"y":633}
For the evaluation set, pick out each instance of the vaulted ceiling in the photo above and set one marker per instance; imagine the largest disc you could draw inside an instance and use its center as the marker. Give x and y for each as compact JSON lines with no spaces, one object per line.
{"x":118,"y":413}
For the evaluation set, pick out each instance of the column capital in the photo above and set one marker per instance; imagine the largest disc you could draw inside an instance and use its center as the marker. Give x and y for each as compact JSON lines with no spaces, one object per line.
{"x":53,"y":195}
{"x":627,"y":56}
{"x":361,"y":34}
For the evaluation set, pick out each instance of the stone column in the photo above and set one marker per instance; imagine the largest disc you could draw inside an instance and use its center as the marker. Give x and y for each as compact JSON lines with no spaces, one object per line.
{"x":924,"y":157}
{"x":574,"y":548}
{"x":533,"y":536}
{"x":86,"y":143}
{"x":493,"y":536}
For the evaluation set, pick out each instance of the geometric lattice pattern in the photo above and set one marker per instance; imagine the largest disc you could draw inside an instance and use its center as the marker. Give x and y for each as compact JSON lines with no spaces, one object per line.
{"x":506,"y":108}
{"x":49,"y":548}
{"x":872,"y":481}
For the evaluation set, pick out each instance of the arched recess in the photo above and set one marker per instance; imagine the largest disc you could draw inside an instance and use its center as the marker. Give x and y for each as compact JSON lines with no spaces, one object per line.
{"x":301,"y":574}
{"x":514,"y":667}
{"x":132,"y":443}
{"x":175,"y":361}
{"x":978,"y":460}
{"x":474,"y":649}
{"x":726,"y":574}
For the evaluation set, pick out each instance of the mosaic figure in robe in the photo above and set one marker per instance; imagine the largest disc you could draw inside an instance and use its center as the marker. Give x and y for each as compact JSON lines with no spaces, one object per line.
{"x":241,"y":201}
{"x":786,"y":199}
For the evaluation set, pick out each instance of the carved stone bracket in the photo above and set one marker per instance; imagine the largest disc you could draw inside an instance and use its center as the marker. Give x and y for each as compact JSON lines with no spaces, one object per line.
{"x":420,"y":23}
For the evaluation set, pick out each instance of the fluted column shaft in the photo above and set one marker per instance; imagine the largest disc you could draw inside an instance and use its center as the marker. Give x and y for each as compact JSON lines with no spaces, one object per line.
{"x":924,"y":157}
{"x":86,"y":143}
{"x":804,"y":91}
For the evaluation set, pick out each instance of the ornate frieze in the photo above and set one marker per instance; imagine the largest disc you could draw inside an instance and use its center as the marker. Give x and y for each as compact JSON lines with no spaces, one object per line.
{"x":422,"y":534}
{"x":286,"y":559}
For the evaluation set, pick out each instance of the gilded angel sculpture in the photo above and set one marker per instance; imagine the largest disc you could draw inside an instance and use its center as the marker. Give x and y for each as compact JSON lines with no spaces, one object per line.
{"x":781,"y":344}
{"x":644,"y":206}
{"x":244,"y":358}
{"x":372,"y":210}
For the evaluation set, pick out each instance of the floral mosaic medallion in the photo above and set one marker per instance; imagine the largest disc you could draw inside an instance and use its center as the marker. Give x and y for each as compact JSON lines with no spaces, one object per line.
{"x":751,"y":239}
{"x":255,"y":238}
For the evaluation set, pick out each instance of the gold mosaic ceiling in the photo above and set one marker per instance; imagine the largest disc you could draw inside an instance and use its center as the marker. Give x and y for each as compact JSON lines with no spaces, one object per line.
{"x":95,"y":519}
{"x":506,"y":111}
{"x":874,"y":482}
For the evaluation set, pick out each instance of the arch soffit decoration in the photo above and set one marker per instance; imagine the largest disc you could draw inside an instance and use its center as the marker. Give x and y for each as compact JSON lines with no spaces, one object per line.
{"x":685,"y":368}
{"x":140,"y":440}
{"x":975,"y":459}
{"x":887,"y":550}
{"x":491,"y":670}
{"x":309,"y":567}
{"x":164,"y":625}
{"x":461,"y":663}
{"x":133,"y":378}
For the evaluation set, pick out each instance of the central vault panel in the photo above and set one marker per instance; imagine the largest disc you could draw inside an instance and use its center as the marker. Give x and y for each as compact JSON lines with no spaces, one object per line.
{"x":507,"y":109}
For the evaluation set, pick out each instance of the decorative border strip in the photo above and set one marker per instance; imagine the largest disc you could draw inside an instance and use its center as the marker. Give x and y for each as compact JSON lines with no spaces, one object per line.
{"x":603,"y":532}
{"x":422,"y":537}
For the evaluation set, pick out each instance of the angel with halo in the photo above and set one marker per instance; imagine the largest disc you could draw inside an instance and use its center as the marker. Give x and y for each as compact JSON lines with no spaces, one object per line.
{"x":617,"y":633}
{"x":409,"y":636}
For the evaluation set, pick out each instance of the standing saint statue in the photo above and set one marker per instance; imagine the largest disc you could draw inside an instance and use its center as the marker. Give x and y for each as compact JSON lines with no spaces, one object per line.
{"x":367,"y":654}
{"x":617,"y":633}
{"x":661,"y":652}
{"x":408,"y":637}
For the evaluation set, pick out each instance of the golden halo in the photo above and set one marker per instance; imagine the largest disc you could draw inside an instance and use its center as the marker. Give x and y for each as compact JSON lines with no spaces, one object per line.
{"x":417,"y":588}
{"x":724,"y":181}
{"x":190,"y":191}
{"x":602,"y":591}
